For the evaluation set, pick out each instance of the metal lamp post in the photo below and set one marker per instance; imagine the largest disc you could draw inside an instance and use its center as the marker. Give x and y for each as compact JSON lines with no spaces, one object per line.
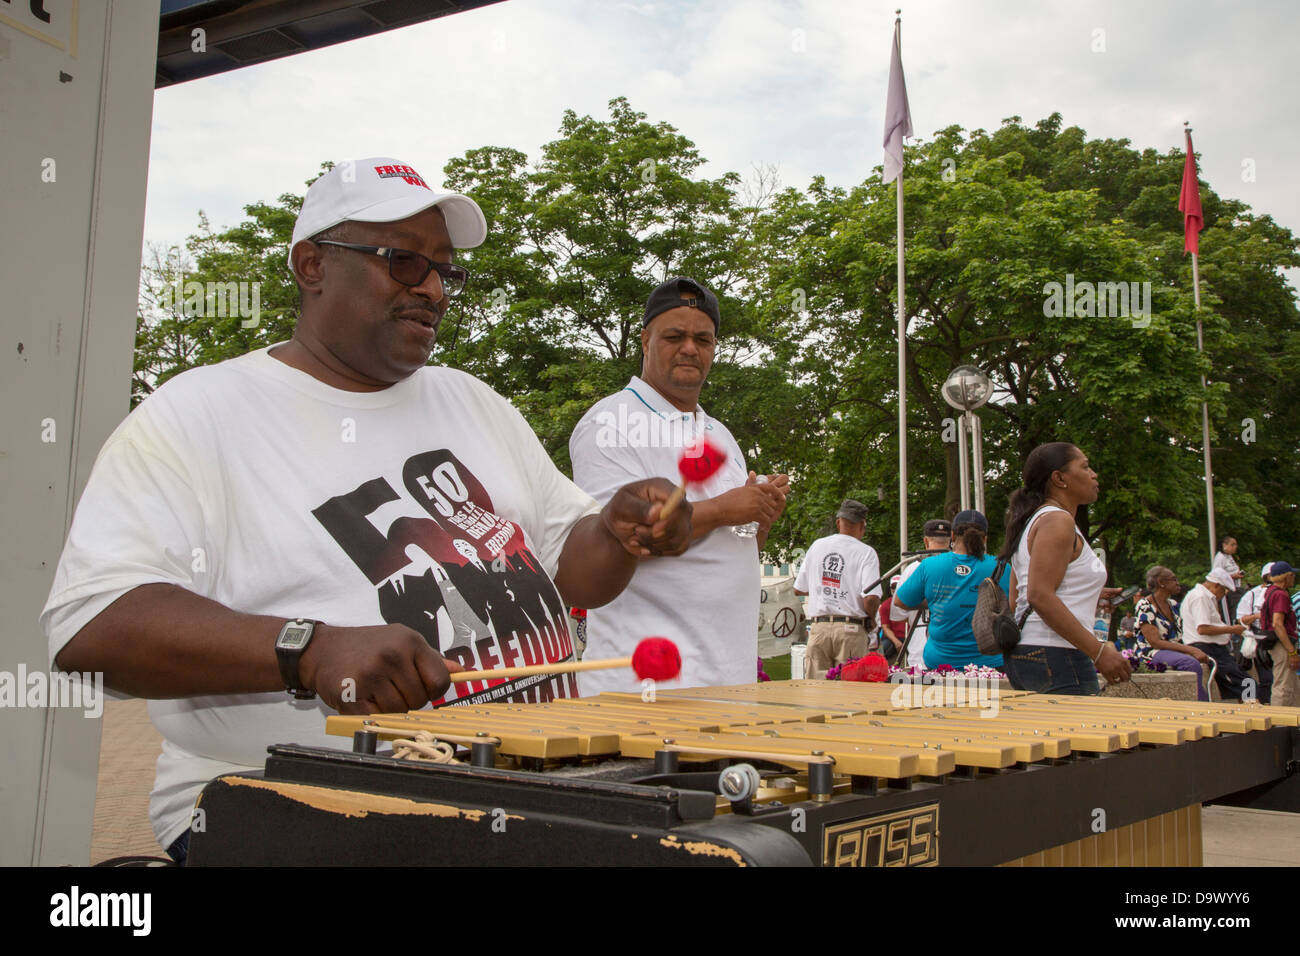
{"x":967,"y":388}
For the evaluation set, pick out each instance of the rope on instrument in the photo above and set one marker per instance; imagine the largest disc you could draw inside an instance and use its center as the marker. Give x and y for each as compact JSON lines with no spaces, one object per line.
{"x":425,"y":746}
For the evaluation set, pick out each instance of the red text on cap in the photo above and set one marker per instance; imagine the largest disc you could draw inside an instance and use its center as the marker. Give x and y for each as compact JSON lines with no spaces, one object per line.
{"x":402,"y":172}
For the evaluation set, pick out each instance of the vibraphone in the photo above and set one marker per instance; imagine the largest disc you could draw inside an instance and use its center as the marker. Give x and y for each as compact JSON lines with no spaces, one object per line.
{"x":782,"y":773}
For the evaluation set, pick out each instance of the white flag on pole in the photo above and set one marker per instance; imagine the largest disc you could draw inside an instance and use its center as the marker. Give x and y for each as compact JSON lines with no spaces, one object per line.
{"x":898,"y":116}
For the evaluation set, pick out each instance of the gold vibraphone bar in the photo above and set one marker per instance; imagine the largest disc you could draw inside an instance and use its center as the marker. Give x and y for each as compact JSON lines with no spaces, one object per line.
{"x":832,"y":773}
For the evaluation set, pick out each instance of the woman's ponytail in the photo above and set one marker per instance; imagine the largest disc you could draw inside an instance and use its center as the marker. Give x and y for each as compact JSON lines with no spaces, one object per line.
{"x":1039,"y":466}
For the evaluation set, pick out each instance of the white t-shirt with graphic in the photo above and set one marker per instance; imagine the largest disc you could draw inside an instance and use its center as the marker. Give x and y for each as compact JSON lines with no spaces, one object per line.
{"x":430,"y":503}
{"x":834,"y":572}
{"x":706,"y":600}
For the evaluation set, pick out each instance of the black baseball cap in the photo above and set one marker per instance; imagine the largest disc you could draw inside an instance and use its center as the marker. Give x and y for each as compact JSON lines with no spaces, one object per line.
{"x":971,"y":517}
{"x":670,"y":296}
{"x":937,"y":528}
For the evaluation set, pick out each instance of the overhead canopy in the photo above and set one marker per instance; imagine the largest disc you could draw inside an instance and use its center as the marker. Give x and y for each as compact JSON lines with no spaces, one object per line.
{"x":243,"y":32}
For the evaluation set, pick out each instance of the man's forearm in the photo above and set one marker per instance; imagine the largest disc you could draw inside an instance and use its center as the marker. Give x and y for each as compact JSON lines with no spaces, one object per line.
{"x":1213,"y":629}
{"x":709,"y":515}
{"x":594,"y":567}
{"x":161,"y":641}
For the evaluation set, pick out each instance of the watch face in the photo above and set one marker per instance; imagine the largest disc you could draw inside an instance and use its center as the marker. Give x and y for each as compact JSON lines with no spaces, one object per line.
{"x":294,"y":638}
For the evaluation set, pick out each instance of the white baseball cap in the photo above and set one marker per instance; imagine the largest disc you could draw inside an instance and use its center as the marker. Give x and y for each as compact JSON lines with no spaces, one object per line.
{"x":1222,"y":578}
{"x":383,"y":189}
{"x":1266,"y":571}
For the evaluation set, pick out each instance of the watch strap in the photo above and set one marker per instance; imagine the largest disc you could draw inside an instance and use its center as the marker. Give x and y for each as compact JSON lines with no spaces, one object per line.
{"x":288,"y":659}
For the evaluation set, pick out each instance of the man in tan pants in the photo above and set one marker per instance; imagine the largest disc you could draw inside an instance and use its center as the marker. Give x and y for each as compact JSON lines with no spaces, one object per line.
{"x":1278,"y":617}
{"x":834,"y":575}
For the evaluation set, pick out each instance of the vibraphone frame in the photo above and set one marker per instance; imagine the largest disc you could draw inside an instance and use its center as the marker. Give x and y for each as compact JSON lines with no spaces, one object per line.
{"x":315,"y":806}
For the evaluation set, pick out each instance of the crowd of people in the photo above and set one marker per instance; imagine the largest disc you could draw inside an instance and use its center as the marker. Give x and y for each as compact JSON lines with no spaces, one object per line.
{"x":1245,"y":637}
{"x":1246,"y":634}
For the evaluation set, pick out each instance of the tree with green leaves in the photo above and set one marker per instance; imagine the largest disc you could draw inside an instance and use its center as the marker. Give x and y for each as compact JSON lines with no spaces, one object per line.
{"x":993,"y":221}
{"x":999,"y":225}
{"x":576,"y":242}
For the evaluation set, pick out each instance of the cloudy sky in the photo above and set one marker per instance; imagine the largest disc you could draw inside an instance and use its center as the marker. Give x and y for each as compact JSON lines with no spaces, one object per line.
{"x":795,"y":83}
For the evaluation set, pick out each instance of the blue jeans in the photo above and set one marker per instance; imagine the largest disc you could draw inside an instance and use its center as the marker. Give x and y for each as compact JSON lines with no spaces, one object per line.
{"x":1050,"y":670}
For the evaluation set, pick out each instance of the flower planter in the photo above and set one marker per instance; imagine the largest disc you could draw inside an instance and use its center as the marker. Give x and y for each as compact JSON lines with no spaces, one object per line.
{"x":1171,"y":685}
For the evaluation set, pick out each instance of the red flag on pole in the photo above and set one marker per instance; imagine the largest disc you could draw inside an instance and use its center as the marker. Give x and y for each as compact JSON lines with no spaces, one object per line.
{"x":1189,"y":203}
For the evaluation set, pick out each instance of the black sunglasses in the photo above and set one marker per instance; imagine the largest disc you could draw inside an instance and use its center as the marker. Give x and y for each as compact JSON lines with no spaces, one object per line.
{"x":411,"y":268}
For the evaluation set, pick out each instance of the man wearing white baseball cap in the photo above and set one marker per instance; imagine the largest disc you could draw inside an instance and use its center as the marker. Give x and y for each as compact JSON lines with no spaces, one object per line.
{"x":1204,"y":627}
{"x":332,"y":517}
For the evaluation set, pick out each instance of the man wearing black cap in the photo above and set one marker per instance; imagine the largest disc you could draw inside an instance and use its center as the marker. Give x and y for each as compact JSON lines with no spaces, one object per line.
{"x":707,"y":599}
{"x":834,"y":574}
{"x":936,"y":535}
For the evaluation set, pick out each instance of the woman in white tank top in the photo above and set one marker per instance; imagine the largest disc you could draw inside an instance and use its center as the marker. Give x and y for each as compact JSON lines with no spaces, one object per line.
{"x":1058,"y":575}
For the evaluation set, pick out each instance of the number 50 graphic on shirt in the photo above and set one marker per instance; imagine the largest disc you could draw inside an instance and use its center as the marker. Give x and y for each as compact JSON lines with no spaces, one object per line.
{"x":473,"y":588}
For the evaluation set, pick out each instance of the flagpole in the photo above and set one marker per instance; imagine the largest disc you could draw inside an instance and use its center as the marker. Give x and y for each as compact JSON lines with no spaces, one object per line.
{"x":1205,"y":411}
{"x":1205,"y":407}
{"x":902,"y":353}
{"x":902,"y":384}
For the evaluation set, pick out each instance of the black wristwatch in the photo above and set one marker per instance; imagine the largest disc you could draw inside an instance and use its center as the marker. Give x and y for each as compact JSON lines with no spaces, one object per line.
{"x":289,"y":646}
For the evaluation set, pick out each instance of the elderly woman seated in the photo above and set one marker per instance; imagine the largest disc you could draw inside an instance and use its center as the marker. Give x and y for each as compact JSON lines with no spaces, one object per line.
{"x":1159,"y":629}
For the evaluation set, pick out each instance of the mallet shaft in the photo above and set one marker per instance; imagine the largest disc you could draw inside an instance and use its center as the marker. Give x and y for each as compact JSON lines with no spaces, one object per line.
{"x":564,"y":667}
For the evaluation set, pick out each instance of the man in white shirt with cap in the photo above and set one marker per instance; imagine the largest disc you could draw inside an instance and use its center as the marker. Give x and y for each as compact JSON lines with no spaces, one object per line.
{"x":333,"y":518}
{"x":1204,"y":627}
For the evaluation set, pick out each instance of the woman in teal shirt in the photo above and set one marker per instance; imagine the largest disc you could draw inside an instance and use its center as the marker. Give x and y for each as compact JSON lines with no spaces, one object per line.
{"x":949,"y":583}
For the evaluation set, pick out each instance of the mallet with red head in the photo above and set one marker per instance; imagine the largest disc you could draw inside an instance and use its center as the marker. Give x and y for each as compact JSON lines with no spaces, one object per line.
{"x":698,"y":464}
{"x":656,"y":658}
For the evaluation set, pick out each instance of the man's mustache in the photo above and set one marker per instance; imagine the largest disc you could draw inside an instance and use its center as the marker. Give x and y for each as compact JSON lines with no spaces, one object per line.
{"x":432,"y":310}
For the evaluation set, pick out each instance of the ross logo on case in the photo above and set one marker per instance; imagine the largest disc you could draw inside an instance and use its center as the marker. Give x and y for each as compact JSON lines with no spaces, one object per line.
{"x":902,"y":838}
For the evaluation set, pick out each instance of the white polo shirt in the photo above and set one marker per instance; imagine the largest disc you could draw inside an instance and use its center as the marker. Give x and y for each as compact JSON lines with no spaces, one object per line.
{"x":1200,"y":607}
{"x":705,"y":600}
